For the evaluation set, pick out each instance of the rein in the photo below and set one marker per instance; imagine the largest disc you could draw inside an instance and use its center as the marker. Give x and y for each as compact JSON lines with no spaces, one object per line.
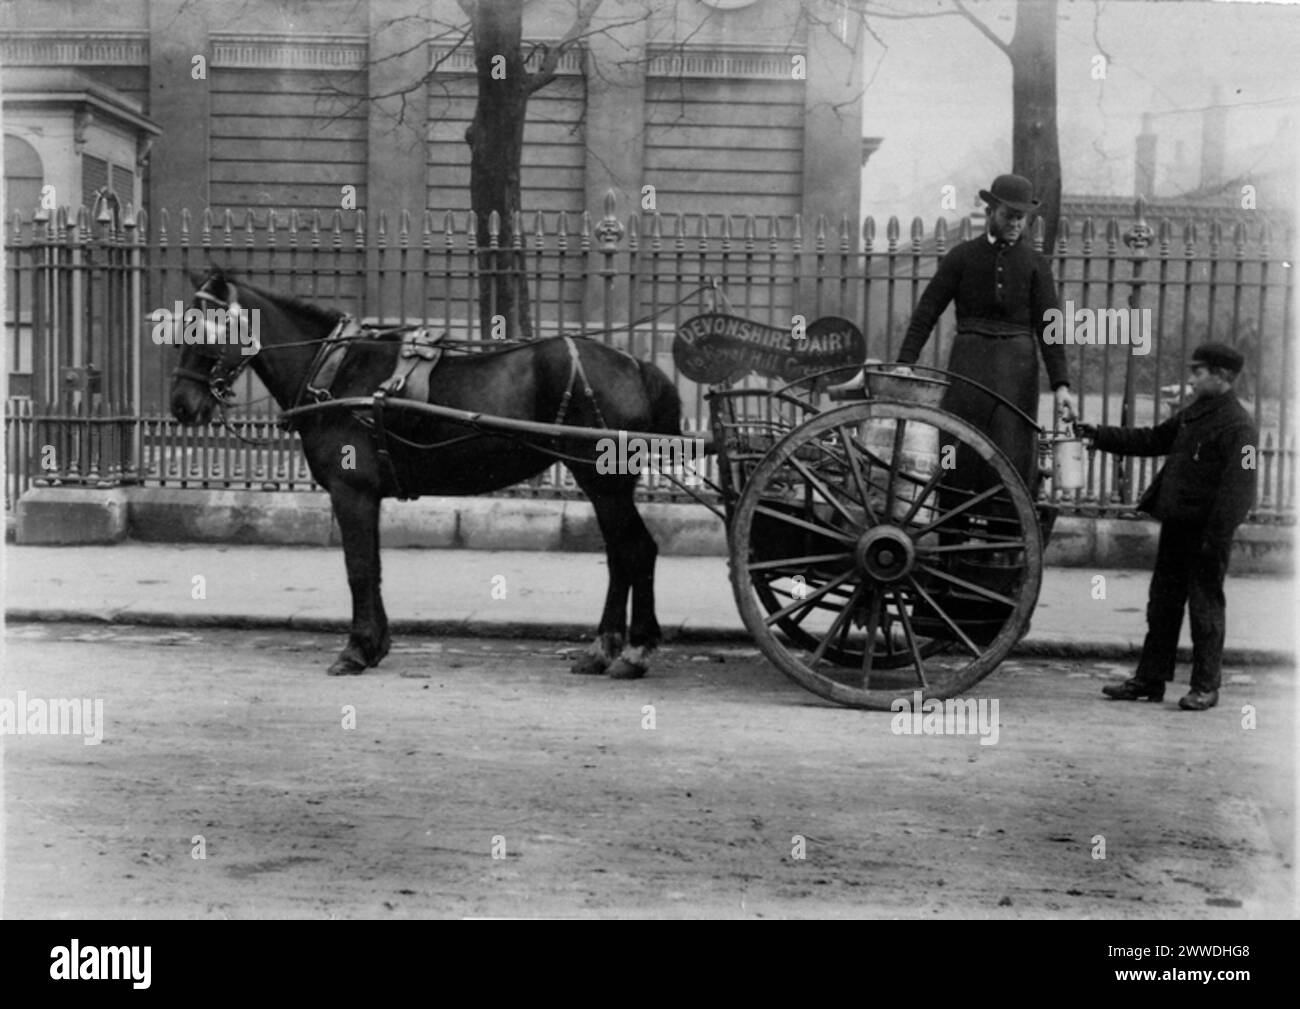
{"x":220,"y":378}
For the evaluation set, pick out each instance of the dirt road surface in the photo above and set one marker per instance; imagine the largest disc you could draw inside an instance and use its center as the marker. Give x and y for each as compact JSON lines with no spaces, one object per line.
{"x":481,"y":778}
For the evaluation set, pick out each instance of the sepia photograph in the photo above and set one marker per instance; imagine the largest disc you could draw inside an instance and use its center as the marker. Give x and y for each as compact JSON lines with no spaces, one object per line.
{"x":650,"y":459}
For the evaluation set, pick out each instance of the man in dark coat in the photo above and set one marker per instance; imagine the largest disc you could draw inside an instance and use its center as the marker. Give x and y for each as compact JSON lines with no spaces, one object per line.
{"x":1204,"y":491}
{"x":1003,"y":290}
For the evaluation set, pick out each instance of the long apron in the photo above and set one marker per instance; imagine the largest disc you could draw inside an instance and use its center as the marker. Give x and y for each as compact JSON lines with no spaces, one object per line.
{"x":1008,"y":366}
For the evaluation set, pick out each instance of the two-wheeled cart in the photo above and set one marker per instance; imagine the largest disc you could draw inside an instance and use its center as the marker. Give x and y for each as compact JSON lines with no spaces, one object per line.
{"x":879,"y":545}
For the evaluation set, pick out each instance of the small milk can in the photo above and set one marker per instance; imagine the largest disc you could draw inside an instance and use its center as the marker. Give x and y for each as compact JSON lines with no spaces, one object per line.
{"x":1067,"y":463}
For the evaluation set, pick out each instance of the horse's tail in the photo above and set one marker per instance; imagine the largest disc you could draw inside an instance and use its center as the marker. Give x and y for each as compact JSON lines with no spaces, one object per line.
{"x":665,"y":400}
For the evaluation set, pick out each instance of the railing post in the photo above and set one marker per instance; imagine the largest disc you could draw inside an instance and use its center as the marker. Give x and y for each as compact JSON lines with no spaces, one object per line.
{"x":1137,"y":239}
{"x":608,"y":233}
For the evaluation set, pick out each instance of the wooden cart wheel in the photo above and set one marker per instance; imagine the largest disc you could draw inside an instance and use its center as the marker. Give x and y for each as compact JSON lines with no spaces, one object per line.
{"x":855,"y":543}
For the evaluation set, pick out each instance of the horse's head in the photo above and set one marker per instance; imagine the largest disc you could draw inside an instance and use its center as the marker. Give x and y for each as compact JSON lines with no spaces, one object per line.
{"x":218,"y":343}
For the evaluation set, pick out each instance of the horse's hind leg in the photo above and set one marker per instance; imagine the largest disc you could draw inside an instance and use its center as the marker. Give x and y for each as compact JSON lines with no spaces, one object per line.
{"x":612,"y":631}
{"x":631,"y":551}
{"x":357,"y":512}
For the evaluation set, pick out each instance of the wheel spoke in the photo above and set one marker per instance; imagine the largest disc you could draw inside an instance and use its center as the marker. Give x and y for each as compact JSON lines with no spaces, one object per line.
{"x":964,"y":506}
{"x":806,"y":561}
{"x":812,"y":527}
{"x":990,"y":546}
{"x":810,"y":599}
{"x":911,"y":640}
{"x":926,"y":491}
{"x":847,"y":438}
{"x":968,"y":586}
{"x":821,"y":487}
{"x":840,"y":622}
{"x":873,"y":622}
{"x":899,"y":428}
{"x":929,"y":600}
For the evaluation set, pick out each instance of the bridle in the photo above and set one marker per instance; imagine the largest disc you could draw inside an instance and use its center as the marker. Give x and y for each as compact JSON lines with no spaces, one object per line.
{"x":221,"y":375}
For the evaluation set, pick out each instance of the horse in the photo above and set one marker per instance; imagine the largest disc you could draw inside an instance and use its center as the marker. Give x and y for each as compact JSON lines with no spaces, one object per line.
{"x":534,"y":381}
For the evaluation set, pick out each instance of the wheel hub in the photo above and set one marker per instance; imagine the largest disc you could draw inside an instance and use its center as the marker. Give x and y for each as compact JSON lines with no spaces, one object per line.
{"x":884,"y":554}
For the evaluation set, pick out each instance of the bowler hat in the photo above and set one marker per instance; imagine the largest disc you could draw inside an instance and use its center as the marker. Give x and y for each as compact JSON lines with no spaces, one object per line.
{"x":1218,"y":355}
{"x":1015,"y":191}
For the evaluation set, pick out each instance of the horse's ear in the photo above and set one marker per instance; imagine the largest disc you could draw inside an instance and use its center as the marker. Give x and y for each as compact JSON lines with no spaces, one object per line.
{"x":198,"y":277}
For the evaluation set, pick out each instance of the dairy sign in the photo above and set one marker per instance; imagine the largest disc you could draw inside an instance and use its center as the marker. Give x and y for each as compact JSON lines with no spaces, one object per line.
{"x":715,"y":349}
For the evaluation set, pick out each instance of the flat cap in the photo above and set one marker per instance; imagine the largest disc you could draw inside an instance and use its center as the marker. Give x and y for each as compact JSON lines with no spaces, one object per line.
{"x":1218,"y":355}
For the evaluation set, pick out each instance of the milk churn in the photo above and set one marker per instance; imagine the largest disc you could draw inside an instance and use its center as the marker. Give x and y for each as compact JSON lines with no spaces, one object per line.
{"x":1067,"y":462}
{"x":918,"y":459}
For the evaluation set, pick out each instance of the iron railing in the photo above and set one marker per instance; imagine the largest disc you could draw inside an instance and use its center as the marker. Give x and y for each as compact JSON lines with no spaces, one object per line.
{"x":92,"y":388}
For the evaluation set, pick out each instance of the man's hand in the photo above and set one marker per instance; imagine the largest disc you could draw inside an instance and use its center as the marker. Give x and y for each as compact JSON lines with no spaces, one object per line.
{"x":1066,"y":405}
{"x":1086,"y":431}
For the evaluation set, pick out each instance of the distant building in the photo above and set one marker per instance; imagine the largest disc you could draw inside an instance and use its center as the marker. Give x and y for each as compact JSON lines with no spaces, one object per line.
{"x":721,"y":106}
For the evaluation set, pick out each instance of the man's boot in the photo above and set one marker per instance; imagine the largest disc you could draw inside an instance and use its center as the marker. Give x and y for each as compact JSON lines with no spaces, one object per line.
{"x":1199,"y":700}
{"x":1134,"y":690}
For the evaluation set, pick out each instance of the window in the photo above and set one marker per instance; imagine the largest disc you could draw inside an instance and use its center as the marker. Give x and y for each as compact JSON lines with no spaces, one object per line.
{"x":24,"y":176}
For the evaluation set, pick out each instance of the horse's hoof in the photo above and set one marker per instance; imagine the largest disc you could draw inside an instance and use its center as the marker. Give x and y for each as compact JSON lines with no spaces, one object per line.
{"x":621,"y":669}
{"x":345,"y":665}
{"x":590,"y":664}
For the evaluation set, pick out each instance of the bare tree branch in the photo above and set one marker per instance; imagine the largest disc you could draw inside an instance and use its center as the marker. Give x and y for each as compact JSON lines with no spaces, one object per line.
{"x":985,"y":30}
{"x":551,"y":54}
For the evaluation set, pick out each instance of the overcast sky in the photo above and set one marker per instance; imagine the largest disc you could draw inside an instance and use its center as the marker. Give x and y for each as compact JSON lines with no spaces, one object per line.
{"x":940,"y":96}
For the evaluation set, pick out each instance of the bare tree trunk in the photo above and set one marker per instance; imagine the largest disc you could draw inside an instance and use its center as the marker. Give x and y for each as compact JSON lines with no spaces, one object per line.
{"x":496,"y":141}
{"x":1035,"y":149}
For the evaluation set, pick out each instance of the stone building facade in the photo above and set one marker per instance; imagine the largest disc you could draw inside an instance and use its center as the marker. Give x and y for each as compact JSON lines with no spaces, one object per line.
{"x":724,"y":106}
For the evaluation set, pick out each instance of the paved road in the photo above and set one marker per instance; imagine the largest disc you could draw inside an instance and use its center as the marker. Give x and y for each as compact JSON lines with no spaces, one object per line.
{"x":547,"y":594}
{"x":688,"y":793}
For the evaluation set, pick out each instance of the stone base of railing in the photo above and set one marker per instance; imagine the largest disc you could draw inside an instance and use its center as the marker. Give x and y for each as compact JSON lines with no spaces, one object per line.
{"x":77,"y":515}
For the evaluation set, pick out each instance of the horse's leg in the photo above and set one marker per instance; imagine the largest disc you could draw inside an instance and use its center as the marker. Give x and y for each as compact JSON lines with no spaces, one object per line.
{"x":643,"y":633}
{"x":612,"y":630}
{"x":631,"y":551}
{"x":357,"y":511}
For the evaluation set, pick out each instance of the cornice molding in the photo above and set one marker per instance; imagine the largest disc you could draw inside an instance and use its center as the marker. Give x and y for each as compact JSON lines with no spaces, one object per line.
{"x":447,"y":59}
{"x":74,"y":49}
{"x":715,"y":61}
{"x":288,"y":52}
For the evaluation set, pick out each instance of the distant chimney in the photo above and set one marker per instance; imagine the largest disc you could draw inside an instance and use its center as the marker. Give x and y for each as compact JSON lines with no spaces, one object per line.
{"x":1144,"y":167}
{"x":1214,"y":133}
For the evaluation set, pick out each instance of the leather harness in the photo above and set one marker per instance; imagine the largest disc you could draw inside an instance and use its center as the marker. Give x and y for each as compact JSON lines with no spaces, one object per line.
{"x":419,"y":355}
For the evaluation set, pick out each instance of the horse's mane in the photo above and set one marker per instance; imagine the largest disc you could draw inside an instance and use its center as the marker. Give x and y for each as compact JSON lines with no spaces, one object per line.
{"x":287,"y":302}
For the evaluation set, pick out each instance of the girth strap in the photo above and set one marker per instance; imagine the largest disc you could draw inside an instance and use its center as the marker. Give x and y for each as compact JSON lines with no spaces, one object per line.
{"x":576,"y":372}
{"x":329,"y":358}
{"x":380,"y":435}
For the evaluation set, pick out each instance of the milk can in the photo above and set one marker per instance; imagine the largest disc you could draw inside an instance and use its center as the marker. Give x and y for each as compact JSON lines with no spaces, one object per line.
{"x":918,"y":459}
{"x":1067,"y":462}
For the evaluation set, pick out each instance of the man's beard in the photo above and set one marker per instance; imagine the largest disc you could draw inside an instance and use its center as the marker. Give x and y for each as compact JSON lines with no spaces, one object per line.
{"x":1005,"y":234}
